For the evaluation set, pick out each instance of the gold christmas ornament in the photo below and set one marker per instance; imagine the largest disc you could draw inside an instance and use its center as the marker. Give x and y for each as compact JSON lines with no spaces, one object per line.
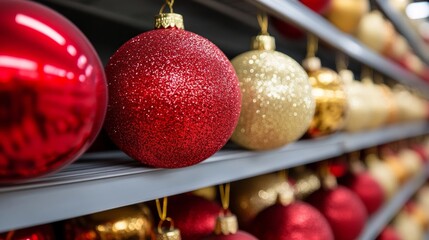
{"x":376,"y":102}
{"x":306,"y":182}
{"x":250,"y":196}
{"x":410,"y":161}
{"x":328,"y":92}
{"x":207,"y":192}
{"x":277,"y":105}
{"x":390,"y":103}
{"x":382,"y":174}
{"x":131,"y":222}
{"x":369,"y":32}
{"x":346,"y":14}
{"x":408,"y":227}
{"x":422,"y":200}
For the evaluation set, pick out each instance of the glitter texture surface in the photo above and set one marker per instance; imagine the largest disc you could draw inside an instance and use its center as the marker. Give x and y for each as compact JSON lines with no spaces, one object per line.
{"x":174,"y":98}
{"x":277,"y":105}
{"x":343,"y":209}
{"x":331,"y":103}
{"x":296,"y":221}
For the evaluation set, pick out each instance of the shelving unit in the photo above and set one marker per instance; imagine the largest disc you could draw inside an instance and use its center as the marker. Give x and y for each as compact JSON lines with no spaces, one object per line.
{"x":106,"y":180}
{"x":381,"y":218}
{"x":101,"y":181}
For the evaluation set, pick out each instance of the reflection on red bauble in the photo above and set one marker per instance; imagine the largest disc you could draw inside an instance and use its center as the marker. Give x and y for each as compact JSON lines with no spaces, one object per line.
{"x":290,"y":31}
{"x":388,"y":233}
{"x":295,"y":221}
{"x":53,"y":92}
{"x":194,"y":216}
{"x":174,"y":98}
{"x":368,"y":190}
{"x":42,"y":232}
{"x":240,"y":235}
{"x":343,"y":209}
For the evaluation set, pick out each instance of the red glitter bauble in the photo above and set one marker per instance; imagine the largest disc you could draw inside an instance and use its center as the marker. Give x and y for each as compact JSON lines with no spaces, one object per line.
{"x":290,"y":31}
{"x":240,"y":235}
{"x":295,"y":221}
{"x":368,"y":190}
{"x":174,"y":98}
{"x":53,"y":92}
{"x":388,"y":233}
{"x":194,"y":216}
{"x":42,"y":232}
{"x":343,"y":209}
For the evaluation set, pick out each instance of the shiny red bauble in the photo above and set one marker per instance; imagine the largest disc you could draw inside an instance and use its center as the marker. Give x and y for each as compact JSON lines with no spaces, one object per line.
{"x":343,"y":209}
{"x":194,"y":216}
{"x":388,"y":233}
{"x":174,"y":98}
{"x":295,"y":221}
{"x":290,"y":31}
{"x":368,"y":190}
{"x":240,"y":235}
{"x":42,"y":232}
{"x":53,"y":92}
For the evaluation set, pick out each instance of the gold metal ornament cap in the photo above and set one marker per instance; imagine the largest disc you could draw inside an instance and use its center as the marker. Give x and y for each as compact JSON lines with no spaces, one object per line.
{"x":311,"y":64}
{"x":263,"y":42}
{"x":169,"y":234}
{"x":169,"y":20}
{"x":226,"y":224}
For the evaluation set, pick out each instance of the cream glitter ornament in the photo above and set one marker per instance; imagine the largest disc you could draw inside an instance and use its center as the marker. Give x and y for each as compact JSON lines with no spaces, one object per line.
{"x":277,"y":105}
{"x":382,"y":174}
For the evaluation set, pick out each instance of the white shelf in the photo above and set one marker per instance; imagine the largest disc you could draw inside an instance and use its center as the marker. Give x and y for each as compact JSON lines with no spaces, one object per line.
{"x":383,"y":216}
{"x":107,"y":180}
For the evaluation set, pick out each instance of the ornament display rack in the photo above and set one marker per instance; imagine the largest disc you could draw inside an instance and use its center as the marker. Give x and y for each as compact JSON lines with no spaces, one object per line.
{"x":106,"y":180}
{"x":382,"y":217}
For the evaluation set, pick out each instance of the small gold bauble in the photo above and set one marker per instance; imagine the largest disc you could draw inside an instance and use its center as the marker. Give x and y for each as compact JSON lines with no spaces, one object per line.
{"x":207,"y":192}
{"x":131,"y":222}
{"x":331,"y":102}
{"x":376,"y":104}
{"x":346,"y":14}
{"x":407,"y":227}
{"x":168,"y":234}
{"x":358,"y":113}
{"x":250,"y":196}
{"x":306,"y":182}
{"x":410,"y":161}
{"x":277,"y":105}
{"x":383,"y":175}
{"x":369,"y":32}
{"x":390,"y":103}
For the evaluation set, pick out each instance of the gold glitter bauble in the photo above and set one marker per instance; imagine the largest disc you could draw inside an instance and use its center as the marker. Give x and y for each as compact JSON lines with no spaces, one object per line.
{"x":331,"y":101}
{"x":277,"y":105}
{"x":250,"y":196}
{"x":131,"y":222}
{"x":346,"y":14}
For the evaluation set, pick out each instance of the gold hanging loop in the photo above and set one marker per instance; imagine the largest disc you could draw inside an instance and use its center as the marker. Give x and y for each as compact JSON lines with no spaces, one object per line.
{"x":224,"y":190}
{"x":366,"y":74}
{"x":168,"y":3}
{"x":312,"y":45}
{"x":263,"y":23}
{"x":162,"y":211}
{"x":341,"y":62}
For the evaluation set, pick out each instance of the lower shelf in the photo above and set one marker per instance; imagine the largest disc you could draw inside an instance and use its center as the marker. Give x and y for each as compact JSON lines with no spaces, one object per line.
{"x":102,"y":181}
{"x":381,"y":218}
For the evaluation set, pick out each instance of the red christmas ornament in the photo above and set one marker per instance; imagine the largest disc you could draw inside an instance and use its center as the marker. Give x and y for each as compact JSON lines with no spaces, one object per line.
{"x":240,"y":235}
{"x":174,"y":96}
{"x":42,"y":232}
{"x":295,"y":221}
{"x":388,"y":233}
{"x":290,"y":31}
{"x":368,"y":190}
{"x":194,"y":216}
{"x":343,"y":209}
{"x":53,"y":92}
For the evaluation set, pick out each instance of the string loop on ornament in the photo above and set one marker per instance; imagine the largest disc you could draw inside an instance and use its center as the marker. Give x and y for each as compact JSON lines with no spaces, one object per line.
{"x":224,"y":190}
{"x":341,"y":61}
{"x":162,"y":211}
{"x":263,"y":23}
{"x":162,"y":221}
{"x":168,"y":3}
{"x":366,"y":74}
{"x":312,"y":45}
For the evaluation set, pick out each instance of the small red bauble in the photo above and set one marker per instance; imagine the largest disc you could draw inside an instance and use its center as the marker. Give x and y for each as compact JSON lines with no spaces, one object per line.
{"x":343,"y":209}
{"x":240,"y":235}
{"x":174,"y":98}
{"x":41,"y":232}
{"x":368,"y":190}
{"x":295,"y":221}
{"x":388,"y":233}
{"x":53,"y":92}
{"x":194,"y":216}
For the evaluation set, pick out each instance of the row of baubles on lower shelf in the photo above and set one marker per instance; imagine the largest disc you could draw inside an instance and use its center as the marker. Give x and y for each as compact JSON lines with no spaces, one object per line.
{"x":329,"y":200}
{"x":174,"y":97}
